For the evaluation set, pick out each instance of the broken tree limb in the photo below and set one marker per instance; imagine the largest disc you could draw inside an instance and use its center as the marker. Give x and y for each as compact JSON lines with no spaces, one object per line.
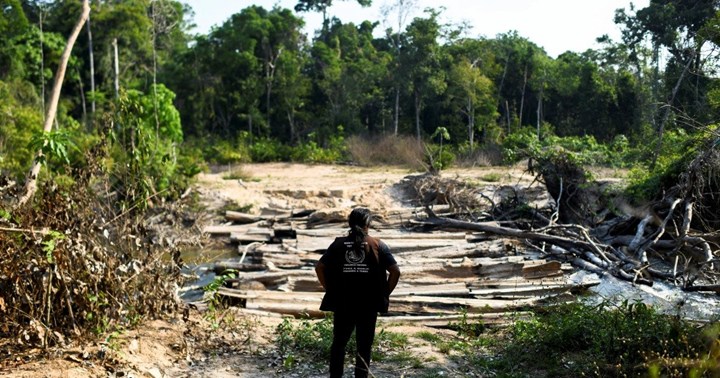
{"x":510,"y":232}
{"x":661,"y":230}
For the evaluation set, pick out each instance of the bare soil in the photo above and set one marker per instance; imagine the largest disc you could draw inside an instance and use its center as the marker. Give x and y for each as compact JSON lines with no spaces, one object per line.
{"x":194,"y":345}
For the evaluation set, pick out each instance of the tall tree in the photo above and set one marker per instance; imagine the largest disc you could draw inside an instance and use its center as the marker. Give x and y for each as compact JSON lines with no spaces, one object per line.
{"x":401,"y":10}
{"x":674,"y":26}
{"x":322,"y":6}
{"x":31,"y":183}
{"x":422,"y":59}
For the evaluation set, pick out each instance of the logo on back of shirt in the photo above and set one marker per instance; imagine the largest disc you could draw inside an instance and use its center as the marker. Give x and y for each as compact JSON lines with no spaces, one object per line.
{"x":355,"y":261}
{"x":354,"y":257}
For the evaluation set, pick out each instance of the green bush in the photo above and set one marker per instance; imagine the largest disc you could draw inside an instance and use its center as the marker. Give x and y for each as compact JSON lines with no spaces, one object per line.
{"x":312,"y":152}
{"x":603,"y":340}
{"x":268,"y":150}
{"x":146,"y":146}
{"x":20,"y":119}
{"x":440,"y":159}
{"x":678,"y":149}
{"x":524,"y":143}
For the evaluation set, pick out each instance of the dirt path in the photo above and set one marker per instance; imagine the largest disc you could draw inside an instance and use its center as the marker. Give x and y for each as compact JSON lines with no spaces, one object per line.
{"x":239,"y":345}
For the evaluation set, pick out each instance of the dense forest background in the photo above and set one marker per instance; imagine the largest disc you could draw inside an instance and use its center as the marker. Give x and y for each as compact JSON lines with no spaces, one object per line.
{"x":256,"y":88}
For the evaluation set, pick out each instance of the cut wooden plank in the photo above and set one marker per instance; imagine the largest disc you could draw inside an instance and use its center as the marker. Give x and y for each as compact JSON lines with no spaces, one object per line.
{"x":445,"y":252}
{"x":245,"y":237}
{"x":220,"y":268}
{"x":506,"y":269}
{"x":383,"y":234}
{"x":305,"y":284}
{"x":221,"y":230}
{"x":444,"y":270}
{"x":265,"y":214}
{"x":239,"y":217}
{"x":271,"y":295}
{"x":548,"y":269}
{"x":297,"y":310}
{"x":499,"y":318}
{"x":471,"y":304}
{"x":517,"y":281}
{"x":311,"y":243}
{"x":449,"y":289}
{"x":522,"y":292}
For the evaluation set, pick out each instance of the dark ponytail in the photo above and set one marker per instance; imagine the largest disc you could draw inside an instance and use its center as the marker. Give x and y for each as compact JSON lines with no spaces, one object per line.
{"x":359,"y":220}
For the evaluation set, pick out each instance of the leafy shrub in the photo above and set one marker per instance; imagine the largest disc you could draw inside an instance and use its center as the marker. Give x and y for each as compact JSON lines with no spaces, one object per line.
{"x":216,"y":150}
{"x":146,"y":148}
{"x":439,"y":158}
{"x":601,"y":340}
{"x":19,"y":120}
{"x":312,"y":152}
{"x":678,"y":149}
{"x":525,"y":143}
{"x":267,"y":150}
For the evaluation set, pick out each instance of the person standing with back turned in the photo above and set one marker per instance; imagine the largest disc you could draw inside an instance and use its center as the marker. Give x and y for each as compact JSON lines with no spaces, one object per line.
{"x":353,"y":273}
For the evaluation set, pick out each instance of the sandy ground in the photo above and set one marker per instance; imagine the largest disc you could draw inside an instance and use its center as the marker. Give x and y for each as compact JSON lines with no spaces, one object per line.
{"x":301,"y":186}
{"x":194,"y":347}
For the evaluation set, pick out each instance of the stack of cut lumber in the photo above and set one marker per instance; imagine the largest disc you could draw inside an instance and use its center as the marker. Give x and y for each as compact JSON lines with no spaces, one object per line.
{"x":442,"y":272}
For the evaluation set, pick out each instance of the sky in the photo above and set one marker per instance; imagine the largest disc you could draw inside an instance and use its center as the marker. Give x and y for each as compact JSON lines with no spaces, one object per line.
{"x":555,"y":25}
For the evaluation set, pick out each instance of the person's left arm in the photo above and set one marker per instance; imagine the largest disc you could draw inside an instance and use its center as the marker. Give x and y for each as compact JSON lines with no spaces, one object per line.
{"x":387,"y":260}
{"x":320,"y":272}
{"x":393,"y":278}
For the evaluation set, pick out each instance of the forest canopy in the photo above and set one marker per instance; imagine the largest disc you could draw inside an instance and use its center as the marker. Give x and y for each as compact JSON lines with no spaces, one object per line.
{"x":256,"y":87}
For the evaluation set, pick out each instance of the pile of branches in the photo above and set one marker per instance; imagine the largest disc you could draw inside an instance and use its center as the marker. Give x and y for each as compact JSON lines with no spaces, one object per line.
{"x":506,"y":204}
{"x":675,"y":238}
{"x":76,"y":266}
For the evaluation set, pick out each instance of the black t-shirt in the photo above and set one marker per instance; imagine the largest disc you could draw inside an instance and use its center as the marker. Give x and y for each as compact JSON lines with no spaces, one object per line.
{"x":356,"y":280}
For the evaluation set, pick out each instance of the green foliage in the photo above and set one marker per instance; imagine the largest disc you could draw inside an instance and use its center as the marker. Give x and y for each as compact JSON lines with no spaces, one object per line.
{"x":20,"y":119}
{"x":48,"y":244}
{"x":389,"y":150}
{"x":305,"y":342}
{"x":53,"y":144}
{"x":146,"y":151}
{"x":439,"y":158}
{"x":309,"y":342}
{"x":211,"y":289}
{"x":238,"y":173}
{"x":600,"y":339}
{"x":27,"y":61}
{"x":467,"y":328}
{"x":268,"y":150}
{"x":678,"y":149}
{"x":491,"y":177}
{"x":585,"y":150}
{"x":311,"y":152}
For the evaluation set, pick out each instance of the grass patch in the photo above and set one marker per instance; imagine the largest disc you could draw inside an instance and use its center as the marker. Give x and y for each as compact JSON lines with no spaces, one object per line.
{"x":239,"y":173}
{"x":308,"y":342}
{"x":603,"y":340}
{"x":491,"y":177}
{"x":232,"y":206}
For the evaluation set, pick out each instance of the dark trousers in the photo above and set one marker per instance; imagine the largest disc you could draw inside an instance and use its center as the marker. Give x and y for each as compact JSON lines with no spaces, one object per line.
{"x":363,"y":322}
